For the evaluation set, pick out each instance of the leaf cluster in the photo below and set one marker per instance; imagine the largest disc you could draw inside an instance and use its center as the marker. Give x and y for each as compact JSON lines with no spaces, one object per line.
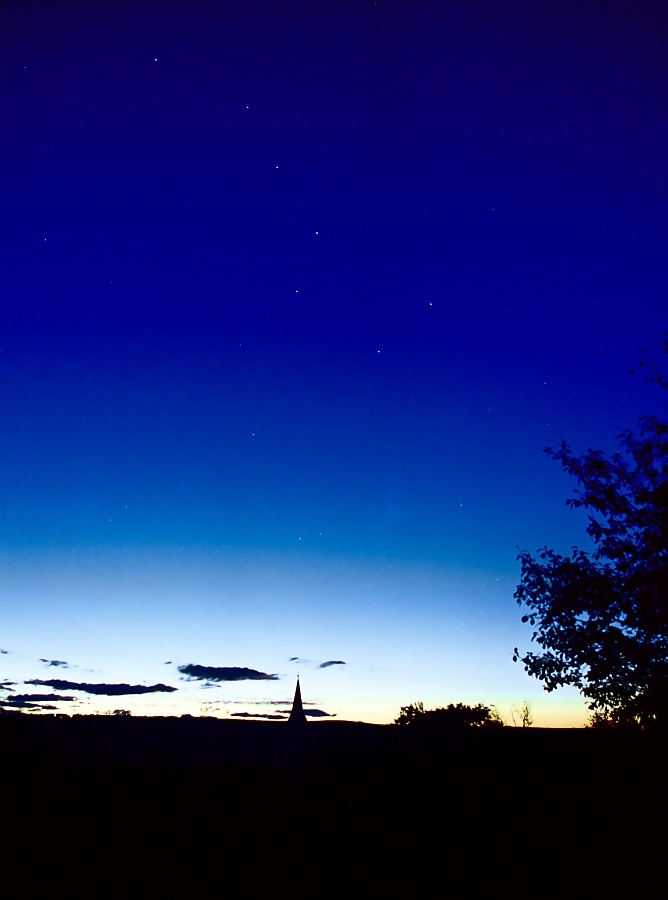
{"x":601,"y":616}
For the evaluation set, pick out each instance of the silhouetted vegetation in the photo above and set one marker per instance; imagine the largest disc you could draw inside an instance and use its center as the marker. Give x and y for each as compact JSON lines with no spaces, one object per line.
{"x":522,"y":715}
{"x":125,"y":806}
{"x":451,"y":716}
{"x":601,"y":617}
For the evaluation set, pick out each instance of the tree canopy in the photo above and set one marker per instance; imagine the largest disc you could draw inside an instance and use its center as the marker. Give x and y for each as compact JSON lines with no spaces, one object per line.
{"x":601,"y":616}
{"x":452,"y":716}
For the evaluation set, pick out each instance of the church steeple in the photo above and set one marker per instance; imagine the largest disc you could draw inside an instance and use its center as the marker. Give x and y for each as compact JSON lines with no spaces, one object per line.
{"x":297,"y":716}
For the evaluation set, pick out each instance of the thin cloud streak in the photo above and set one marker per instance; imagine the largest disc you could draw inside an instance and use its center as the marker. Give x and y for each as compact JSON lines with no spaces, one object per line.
{"x":247,"y":715}
{"x":109,"y":690}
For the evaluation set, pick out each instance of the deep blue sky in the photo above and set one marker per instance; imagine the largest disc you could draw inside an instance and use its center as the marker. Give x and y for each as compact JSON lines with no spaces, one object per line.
{"x":292,"y":297}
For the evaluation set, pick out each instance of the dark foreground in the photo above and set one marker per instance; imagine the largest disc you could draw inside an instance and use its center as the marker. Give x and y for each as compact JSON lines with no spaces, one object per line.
{"x":123,"y":807}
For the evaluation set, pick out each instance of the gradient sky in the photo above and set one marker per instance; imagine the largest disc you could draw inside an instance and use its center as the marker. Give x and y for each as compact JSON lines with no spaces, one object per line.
{"x":292,"y":297}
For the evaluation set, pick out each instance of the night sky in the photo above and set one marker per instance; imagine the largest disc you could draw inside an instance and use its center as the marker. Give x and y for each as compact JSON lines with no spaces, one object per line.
{"x":292,"y":297}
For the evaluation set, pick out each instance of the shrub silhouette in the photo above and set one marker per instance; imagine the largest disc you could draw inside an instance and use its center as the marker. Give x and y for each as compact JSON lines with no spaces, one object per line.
{"x":452,"y":716}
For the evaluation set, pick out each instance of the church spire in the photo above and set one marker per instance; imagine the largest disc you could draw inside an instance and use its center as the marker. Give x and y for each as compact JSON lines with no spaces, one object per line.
{"x":297,"y":716}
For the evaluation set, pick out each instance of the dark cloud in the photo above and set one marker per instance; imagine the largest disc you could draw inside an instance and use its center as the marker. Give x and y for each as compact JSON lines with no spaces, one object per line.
{"x":247,"y":715}
{"x":109,"y":690}
{"x":3,"y":651}
{"x":331,"y":662}
{"x":56,"y":662}
{"x":168,"y":663}
{"x":7,"y":685}
{"x":43,"y":698}
{"x":22,"y":702}
{"x":318,"y":713}
{"x":223,"y":673}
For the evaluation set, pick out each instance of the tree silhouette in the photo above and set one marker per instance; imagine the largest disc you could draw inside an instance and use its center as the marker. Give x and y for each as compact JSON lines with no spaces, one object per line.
{"x":451,"y":716}
{"x":409,"y":714}
{"x":601,"y":617}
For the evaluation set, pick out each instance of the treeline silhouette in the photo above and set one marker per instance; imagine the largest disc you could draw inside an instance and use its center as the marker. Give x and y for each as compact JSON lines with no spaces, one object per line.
{"x":122,"y":806}
{"x":450,"y":717}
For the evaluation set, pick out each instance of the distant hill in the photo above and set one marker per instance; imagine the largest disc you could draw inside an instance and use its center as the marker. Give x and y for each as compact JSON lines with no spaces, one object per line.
{"x":148,"y":807}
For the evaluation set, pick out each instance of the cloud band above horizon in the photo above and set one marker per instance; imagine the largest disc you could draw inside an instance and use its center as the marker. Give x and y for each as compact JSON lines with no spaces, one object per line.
{"x":110,"y":690}
{"x":195,"y":672}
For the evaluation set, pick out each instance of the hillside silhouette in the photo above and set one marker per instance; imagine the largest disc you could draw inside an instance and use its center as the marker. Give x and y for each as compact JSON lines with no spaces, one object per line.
{"x":149,"y":807}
